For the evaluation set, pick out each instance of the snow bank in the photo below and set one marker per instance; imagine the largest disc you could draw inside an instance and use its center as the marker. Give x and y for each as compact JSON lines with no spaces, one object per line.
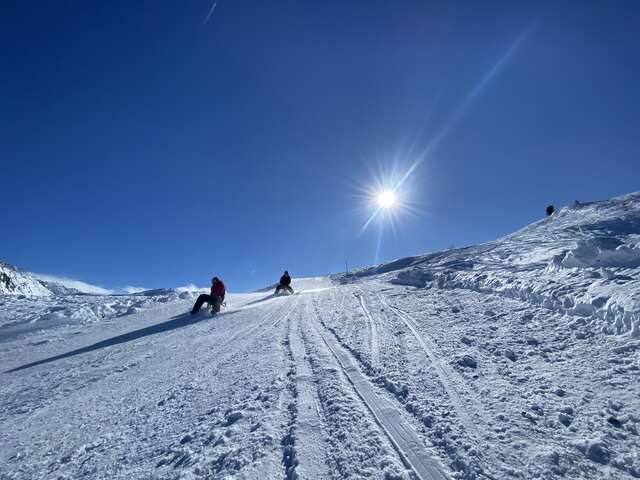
{"x":19,"y":314}
{"x":613,"y":307}
{"x":600,"y":252}
{"x":584,"y":261}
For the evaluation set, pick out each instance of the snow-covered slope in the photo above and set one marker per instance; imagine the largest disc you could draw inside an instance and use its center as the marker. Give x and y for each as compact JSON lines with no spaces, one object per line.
{"x":583,"y":261}
{"x":517,"y":359}
{"x":14,"y":281}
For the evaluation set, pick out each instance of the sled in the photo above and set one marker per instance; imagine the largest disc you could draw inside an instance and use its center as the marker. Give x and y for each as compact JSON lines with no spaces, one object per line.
{"x":217,"y":307}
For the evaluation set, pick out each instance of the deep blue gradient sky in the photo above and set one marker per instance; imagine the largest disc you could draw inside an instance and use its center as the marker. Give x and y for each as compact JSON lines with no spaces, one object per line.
{"x":141,"y":146}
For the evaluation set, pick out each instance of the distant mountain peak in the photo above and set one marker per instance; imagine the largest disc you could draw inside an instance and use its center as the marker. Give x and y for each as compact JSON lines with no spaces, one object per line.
{"x":14,"y":281}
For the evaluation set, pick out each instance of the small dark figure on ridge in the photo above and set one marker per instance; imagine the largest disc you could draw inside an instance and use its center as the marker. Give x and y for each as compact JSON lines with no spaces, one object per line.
{"x":285,"y":284}
{"x":215,"y":299}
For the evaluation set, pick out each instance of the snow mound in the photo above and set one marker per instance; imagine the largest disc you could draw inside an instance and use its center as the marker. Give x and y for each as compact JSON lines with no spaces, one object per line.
{"x":584,"y":261}
{"x":600,"y":252}
{"x":22,"y":314}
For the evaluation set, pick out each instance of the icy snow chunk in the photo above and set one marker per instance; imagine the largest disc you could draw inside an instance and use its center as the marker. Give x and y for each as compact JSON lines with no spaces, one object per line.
{"x":614,"y":421}
{"x":629,"y":346}
{"x":567,"y":409}
{"x":565,"y":419}
{"x":537,"y":408}
{"x":600,"y":252}
{"x":595,"y":449}
{"x":467,"y":361}
{"x":233,"y":416}
{"x":510,"y":354}
{"x":615,"y":405}
{"x":599,"y":302}
{"x":598,"y":452}
{"x":527,"y":317}
{"x":391,"y":386}
{"x":413,"y":277}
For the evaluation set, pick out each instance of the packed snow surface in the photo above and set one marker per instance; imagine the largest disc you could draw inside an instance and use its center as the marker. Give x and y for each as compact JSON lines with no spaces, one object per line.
{"x":519,"y":358}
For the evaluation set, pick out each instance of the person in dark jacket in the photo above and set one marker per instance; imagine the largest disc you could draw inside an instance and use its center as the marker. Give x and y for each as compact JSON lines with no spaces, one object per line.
{"x":214,"y":299}
{"x":285,"y":284}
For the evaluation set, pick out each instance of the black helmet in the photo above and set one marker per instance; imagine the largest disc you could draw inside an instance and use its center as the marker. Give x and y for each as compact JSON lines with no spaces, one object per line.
{"x":286,"y":272}
{"x":215,"y":279}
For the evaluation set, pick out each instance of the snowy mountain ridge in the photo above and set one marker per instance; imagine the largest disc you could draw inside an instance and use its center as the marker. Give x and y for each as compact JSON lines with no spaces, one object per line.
{"x":583,"y":261}
{"x":14,"y":281}
{"x":68,"y":286}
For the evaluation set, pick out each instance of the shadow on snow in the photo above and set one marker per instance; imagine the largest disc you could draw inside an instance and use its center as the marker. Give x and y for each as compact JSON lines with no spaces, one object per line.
{"x":174,"y":323}
{"x":264,"y":299}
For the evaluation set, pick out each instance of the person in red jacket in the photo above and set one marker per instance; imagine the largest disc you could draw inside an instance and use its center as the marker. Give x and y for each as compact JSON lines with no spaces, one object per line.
{"x":215,"y":299}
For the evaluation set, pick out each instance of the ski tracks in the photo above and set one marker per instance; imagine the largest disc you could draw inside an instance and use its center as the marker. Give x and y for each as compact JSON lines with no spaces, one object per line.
{"x":228,"y":440}
{"x":303,"y":456}
{"x":443,"y":372}
{"x":445,"y":375}
{"x":388,"y":416}
{"x":247,"y":333}
{"x":374,"y":338}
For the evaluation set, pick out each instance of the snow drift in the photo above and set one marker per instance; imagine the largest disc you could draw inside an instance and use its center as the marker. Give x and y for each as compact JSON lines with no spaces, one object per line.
{"x":584,"y":261}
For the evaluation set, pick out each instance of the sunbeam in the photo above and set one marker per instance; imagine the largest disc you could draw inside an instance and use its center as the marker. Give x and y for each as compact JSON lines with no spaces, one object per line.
{"x":464,"y":106}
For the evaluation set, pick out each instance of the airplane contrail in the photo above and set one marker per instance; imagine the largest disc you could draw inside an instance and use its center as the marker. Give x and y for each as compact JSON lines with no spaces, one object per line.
{"x":210,"y":14}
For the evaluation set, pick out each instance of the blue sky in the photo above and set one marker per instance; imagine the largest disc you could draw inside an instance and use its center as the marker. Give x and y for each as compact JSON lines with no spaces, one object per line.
{"x":142,"y":146}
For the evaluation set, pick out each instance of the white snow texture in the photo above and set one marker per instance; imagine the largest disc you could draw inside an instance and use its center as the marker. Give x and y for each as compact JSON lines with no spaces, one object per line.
{"x":516,"y":359}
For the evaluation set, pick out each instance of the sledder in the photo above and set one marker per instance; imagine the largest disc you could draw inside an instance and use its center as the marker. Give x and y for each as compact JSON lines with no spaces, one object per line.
{"x":284,"y":285}
{"x":214,"y":299}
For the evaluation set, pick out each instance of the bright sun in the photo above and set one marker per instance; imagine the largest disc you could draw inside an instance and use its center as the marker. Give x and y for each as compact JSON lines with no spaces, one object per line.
{"x":387,"y":199}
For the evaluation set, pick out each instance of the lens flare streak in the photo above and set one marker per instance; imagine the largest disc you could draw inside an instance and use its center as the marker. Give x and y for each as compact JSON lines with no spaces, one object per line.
{"x":388,"y":196}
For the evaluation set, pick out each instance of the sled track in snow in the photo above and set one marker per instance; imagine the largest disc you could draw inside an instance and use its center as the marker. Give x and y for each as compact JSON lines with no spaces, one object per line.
{"x":488,"y":459}
{"x":373,"y":330}
{"x":269,"y":317}
{"x":427,"y":345}
{"x":302,"y":457}
{"x":389,"y":418}
{"x":444,"y":374}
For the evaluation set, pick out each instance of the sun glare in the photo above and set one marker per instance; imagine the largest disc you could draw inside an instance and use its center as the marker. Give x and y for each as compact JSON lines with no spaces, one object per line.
{"x":387,"y":199}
